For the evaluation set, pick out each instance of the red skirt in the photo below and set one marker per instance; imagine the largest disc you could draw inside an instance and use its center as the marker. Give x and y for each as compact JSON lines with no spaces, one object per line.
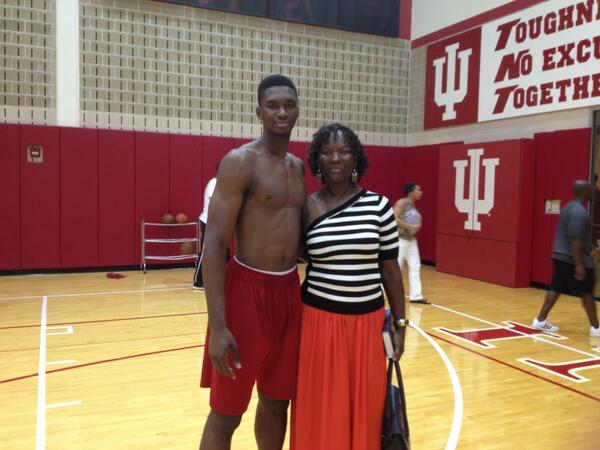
{"x":341,"y":382}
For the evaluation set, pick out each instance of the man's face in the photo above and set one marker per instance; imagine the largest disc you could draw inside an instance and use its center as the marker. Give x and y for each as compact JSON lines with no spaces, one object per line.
{"x":278,"y":110}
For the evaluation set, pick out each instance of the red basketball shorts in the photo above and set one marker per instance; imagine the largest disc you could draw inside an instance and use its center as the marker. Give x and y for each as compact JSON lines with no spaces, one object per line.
{"x":263,"y":312}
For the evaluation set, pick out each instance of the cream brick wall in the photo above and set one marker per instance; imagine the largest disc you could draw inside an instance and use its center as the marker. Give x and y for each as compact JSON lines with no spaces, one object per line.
{"x":153,"y":66}
{"x":27,"y":61}
{"x":416,"y":100}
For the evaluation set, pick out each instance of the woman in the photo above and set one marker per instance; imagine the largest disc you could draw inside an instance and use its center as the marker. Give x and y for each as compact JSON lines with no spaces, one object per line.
{"x":352,"y":247}
{"x":408,"y":220}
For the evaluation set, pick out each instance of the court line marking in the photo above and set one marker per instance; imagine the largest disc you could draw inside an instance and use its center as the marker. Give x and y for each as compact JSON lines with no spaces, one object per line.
{"x":64,"y":404}
{"x":504,"y":363}
{"x":58,"y":363}
{"x":485,"y":344}
{"x":62,"y":369}
{"x":40,"y":431}
{"x":575,"y":377}
{"x":82,"y":294}
{"x":452,"y":441}
{"x":67,"y":329}
{"x":104,"y":361}
{"x":109,"y":320}
{"x":199,"y":334}
{"x":536,"y":337}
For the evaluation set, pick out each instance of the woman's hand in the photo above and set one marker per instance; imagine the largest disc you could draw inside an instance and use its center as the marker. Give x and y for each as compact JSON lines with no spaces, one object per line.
{"x":399,"y":333}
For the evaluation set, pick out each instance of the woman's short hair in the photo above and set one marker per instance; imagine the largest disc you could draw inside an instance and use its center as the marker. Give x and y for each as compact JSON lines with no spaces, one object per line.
{"x":409,"y":187}
{"x":323,"y":135}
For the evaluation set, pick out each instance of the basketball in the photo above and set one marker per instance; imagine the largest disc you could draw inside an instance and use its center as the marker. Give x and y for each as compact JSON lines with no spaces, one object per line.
{"x":188,"y":248}
{"x":181,"y":218}
{"x":167,"y":218}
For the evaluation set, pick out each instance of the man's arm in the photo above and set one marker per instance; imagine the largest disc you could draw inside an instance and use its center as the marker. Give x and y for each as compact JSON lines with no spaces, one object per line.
{"x":233,"y":179}
{"x":575,"y":231}
{"x":576,"y":249}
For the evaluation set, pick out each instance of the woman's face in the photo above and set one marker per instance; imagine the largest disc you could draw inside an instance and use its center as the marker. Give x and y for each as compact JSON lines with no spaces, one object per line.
{"x":417,"y":193}
{"x":336,"y":160}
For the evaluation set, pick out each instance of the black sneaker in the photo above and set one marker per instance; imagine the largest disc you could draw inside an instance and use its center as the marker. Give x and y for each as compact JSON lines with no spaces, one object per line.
{"x":422,"y":301}
{"x":198,"y":287}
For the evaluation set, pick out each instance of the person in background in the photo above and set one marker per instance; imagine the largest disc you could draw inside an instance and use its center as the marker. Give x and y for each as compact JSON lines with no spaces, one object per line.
{"x":408,"y":220}
{"x":572,"y":259}
{"x":208,"y":193}
{"x":596,"y":211}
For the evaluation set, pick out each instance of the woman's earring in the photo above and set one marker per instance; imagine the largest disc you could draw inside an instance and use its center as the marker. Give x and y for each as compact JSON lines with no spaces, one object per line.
{"x":319,"y":176}
{"x":354,"y":176}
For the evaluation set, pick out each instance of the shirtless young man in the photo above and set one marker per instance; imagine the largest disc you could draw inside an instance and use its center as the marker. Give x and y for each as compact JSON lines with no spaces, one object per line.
{"x":254,"y":305}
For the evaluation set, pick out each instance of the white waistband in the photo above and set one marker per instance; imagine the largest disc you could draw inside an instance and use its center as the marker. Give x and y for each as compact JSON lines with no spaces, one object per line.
{"x":263,"y":271}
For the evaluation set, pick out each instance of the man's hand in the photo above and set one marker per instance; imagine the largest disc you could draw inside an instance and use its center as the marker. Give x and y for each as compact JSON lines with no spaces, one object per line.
{"x":220,"y":343}
{"x":398,"y":343}
{"x":579,"y":273}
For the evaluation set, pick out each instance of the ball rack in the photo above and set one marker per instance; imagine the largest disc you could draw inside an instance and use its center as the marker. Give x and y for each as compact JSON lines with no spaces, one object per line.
{"x":176,"y":257}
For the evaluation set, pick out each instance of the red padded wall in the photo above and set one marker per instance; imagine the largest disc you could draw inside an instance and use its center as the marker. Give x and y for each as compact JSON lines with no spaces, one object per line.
{"x":392,"y":167}
{"x":572,"y":160}
{"x":525,"y":203}
{"x":502,"y":223}
{"x":79,"y":197}
{"x":213,"y":150}
{"x":463,"y":256}
{"x":186,"y":175}
{"x":428,"y":204}
{"x":561,"y":157}
{"x":382,"y":174}
{"x":40,"y":199}
{"x":10,"y":198}
{"x":186,"y":189}
{"x":452,"y":223}
{"x":405,"y":169}
{"x":152,"y":184}
{"x":543,"y":224}
{"x":116,"y":200}
{"x":506,"y":230}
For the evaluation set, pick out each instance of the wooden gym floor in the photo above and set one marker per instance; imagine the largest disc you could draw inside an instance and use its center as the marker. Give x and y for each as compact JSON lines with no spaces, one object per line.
{"x":122,"y":362}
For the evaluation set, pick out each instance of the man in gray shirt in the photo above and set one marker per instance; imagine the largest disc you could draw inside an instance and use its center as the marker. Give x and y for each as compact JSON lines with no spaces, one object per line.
{"x":573,"y":264}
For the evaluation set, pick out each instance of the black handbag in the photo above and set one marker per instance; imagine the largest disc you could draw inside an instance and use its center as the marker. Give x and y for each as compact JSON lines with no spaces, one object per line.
{"x":394,"y":430}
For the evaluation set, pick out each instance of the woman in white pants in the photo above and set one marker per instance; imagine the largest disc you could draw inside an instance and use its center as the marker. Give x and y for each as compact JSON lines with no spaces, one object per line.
{"x":408,"y":220}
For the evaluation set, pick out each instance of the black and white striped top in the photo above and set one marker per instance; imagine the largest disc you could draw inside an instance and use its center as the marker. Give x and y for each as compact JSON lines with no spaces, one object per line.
{"x":344,"y":248}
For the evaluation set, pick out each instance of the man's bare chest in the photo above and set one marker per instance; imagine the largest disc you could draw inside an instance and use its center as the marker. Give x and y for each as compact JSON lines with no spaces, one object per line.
{"x":279,"y":187}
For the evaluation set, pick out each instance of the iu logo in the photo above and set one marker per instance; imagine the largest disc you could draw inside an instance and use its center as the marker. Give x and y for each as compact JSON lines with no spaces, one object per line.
{"x":448,"y":95}
{"x":452,"y":80}
{"x":473,"y":206}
